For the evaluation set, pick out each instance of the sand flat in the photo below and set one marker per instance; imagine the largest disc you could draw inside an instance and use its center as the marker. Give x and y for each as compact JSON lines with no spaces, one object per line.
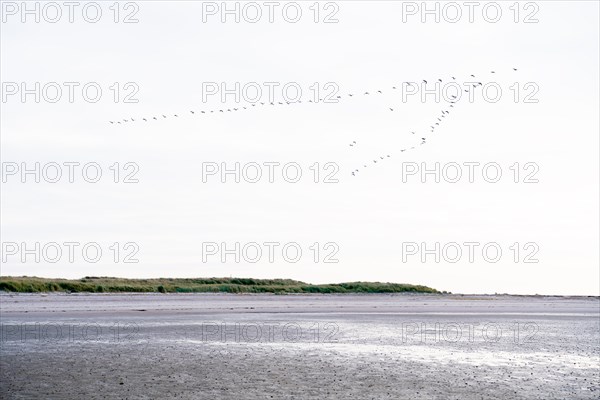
{"x":197,"y":346}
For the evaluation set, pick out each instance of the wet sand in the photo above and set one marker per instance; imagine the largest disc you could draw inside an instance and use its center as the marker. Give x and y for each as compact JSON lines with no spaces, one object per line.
{"x":207,"y":346}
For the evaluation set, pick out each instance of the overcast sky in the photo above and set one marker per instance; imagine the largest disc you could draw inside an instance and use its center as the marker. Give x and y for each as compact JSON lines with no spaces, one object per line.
{"x":371,"y":219}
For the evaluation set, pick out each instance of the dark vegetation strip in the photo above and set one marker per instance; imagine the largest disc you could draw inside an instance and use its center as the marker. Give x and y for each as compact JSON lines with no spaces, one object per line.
{"x":91,"y":284}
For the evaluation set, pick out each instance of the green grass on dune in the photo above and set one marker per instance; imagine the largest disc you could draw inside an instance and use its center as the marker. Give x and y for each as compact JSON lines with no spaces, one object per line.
{"x":91,"y":284}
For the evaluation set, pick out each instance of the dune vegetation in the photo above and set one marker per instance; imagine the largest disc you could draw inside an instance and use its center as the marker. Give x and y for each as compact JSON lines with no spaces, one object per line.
{"x":91,"y":284}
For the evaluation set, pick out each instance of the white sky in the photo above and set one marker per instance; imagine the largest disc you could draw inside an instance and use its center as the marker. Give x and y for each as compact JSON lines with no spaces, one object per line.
{"x":170,"y":52}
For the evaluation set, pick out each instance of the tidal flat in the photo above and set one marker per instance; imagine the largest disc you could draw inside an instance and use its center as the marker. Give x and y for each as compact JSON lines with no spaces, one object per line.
{"x":256,"y":346}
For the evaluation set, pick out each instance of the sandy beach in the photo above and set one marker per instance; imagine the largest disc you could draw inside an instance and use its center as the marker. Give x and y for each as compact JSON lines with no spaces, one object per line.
{"x":197,"y":346}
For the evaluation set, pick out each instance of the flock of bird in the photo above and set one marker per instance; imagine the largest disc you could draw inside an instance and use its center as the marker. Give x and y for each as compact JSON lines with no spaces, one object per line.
{"x":423,"y":138}
{"x":434,"y":126}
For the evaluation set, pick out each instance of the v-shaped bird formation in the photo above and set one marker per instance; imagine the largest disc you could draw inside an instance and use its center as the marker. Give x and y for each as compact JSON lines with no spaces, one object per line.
{"x":422,"y":137}
{"x":440,"y":118}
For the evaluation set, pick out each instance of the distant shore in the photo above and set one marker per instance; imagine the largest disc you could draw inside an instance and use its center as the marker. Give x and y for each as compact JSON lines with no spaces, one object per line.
{"x":198,"y":285}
